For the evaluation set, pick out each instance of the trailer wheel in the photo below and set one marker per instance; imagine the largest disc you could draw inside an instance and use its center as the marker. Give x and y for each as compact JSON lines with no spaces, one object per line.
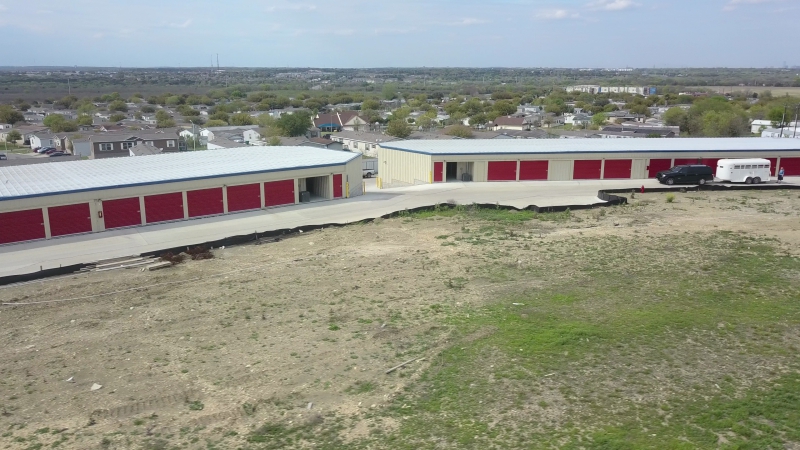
{"x":756,"y":180}
{"x":748,"y":181}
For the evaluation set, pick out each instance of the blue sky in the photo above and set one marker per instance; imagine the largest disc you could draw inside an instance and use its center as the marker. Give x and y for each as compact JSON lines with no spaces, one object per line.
{"x":404,"y":33}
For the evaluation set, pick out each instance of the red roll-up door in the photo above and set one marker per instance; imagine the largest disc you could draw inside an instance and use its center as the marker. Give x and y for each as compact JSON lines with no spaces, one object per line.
{"x":502,"y":171}
{"x":438,"y":169}
{"x":69,"y":219}
{"x":711,"y":162}
{"x":205,"y":202}
{"x":587,"y":169}
{"x":617,"y":168}
{"x":337,"y":186}
{"x":163,"y":207}
{"x":533,"y":170}
{"x":21,"y":226}
{"x":791,"y":166}
{"x":122,"y":212}
{"x":244,"y":197}
{"x":657,"y":165}
{"x":685,"y":161}
{"x":279,"y":193}
{"x":772,"y":163}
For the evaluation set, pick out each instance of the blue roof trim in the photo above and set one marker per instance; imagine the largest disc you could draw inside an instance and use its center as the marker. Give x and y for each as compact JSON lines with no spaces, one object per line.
{"x":75,"y":191}
{"x":582,"y":153}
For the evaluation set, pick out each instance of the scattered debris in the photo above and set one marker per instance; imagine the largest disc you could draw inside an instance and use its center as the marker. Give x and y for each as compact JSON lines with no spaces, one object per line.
{"x":199,"y":253}
{"x":310,"y":404}
{"x":518,"y":304}
{"x":70,"y":379}
{"x":96,"y":387}
{"x":403,"y":364}
{"x":158,"y":265}
{"x":172,"y":258}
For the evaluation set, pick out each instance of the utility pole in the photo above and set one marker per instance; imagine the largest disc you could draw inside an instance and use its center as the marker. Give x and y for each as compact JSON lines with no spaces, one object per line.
{"x":783,"y":120}
{"x":796,"y":110}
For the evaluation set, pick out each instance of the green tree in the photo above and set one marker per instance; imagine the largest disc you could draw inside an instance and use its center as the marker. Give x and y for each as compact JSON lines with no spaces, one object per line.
{"x":215,"y":123}
{"x":599,"y":119}
{"x":389,"y":91}
{"x":478,"y":119}
{"x":13,"y":136}
{"x":241,"y":119}
{"x":9,"y":115}
{"x":674,"y":116}
{"x":398,"y":128}
{"x":162,"y":115}
{"x":117,"y":117}
{"x":163,"y":120}
{"x":296,"y":124}
{"x":776,"y":116}
{"x":460,"y":131}
{"x":274,"y":141}
{"x":371,"y":103}
{"x":504,"y":107}
{"x":118,"y":105}
{"x":197,"y":120}
{"x":85,"y":120}
{"x":220,"y":115}
{"x":173,"y":100}
{"x":148,"y":109}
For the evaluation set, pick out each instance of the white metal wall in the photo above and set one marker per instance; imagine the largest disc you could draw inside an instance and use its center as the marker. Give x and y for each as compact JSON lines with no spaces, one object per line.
{"x":395,"y":166}
{"x":559,"y":170}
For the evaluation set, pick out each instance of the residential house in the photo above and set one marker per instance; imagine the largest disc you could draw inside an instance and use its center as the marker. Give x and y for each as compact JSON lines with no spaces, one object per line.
{"x":211,"y":133}
{"x":221,"y":142}
{"x":361,"y":142}
{"x":81,"y":147}
{"x":509,"y":123}
{"x":143,"y":149}
{"x":5,"y":126}
{"x":25,"y":130}
{"x":785,"y":132}
{"x":577,"y":120}
{"x":617,"y":132}
{"x":114,"y":145}
{"x":323,"y":143}
{"x":341,"y":121}
{"x":251,"y":136}
{"x":521,"y":134}
{"x":40,"y":140}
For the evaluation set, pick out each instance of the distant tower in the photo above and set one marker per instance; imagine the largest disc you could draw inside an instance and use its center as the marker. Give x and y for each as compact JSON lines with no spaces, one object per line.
{"x":217,"y":61}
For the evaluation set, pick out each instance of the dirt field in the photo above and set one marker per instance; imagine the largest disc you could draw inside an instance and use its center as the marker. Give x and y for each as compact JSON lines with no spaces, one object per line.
{"x":572,"y":330}
{"x":776,"y":91}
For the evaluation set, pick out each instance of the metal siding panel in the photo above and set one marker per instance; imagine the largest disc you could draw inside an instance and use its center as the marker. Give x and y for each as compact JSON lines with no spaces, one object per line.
{"x":533,"y":170}
{"x":279,"y":193}
{"x":587,"y":169}
{"x":502,"y":171}
{"x":684,"y":161}
{"x":244,"y":197}
{"x":205,"y":202}
{"x":657,"y":165}
{"x":21,"y":226}
{"x":559,"y":170}
{"x":337,"y":185}
{"x":121,"y":212}
{"x":70,"y":219}
{"x":617,"y":168}
{"x":163,"y":207}
{"x":791,"y":166}
{"x":773,"y":164}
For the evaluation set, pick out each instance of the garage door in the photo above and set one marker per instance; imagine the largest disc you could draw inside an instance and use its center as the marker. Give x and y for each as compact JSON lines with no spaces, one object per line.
{"x":279,"y":193}
{"x":69,"y":219}
{"x":502,"y":171}
{"x":122,"y":212}
{"x":438,"y":168}
{"x":587,"y":169}
{"x":657,"y":165}
{"x":205,"y":202}
{"x":711,"y":162}
{"x":773,"y":162}
{"x":684,"y":161}
{"x":337,"y":185}
{"x":617,"y":168}
{"x":20,"y":226}
{"x":791,"y":165}
{"x":533,"y":170}
{"x":244,"y":197}
{"x":163,"y":207}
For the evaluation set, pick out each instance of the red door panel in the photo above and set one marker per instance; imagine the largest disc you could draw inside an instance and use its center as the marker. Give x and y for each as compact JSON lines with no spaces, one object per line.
{"x":279,"y":193}
{"x":438,"y":169}
{"x":657,"y":165}
{"x":70,"y":219}
{"x":772,"y":163}
{"x":163,"y":207}
{"x":20,"y":226}
{"x":502,"y":171}
{"x":684,"y":161}
{"x":711,"y":162}
{"x":205,"y":202}
{"x":533,"y":170}
{"x":244,"y":197}
{"x":122,"y":212}
{"x":587,"y":169}
{"x":337,"y":185}
{"x":791,"y":166}
{"x":617,"y":168}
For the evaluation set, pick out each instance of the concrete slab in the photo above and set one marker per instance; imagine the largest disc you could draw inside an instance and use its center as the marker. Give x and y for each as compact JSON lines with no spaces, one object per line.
{"x":30,"y":257}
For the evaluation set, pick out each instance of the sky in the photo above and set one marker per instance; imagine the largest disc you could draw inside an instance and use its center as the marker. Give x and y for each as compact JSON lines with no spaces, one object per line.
{"x":400,"y":33}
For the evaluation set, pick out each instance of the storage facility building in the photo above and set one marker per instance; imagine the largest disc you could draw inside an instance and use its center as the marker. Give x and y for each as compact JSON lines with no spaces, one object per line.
{"x":423,"y":161}
{"x":42,"y":201}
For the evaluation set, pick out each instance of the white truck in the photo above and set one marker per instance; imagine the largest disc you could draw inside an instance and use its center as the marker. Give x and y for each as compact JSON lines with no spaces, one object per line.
{"x":750,"y":171}
{"x":369,"y":167}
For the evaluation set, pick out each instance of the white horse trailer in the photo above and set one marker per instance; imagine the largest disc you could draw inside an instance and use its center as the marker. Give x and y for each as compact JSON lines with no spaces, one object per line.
{"x":753,"y":170}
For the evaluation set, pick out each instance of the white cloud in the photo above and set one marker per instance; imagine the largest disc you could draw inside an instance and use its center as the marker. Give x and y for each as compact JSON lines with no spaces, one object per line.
{"x":612,"y":5}
{"x":469,"y":21}
{"x":733,"y":4}
{"x":556,"y":14}
{"x":181,"y":25}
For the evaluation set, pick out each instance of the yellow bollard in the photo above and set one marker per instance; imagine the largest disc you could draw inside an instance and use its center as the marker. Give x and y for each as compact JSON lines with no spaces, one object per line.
{"x":347,"y":190}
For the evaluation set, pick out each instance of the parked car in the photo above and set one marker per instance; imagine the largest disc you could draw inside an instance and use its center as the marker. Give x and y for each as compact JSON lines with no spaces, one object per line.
{"x":51,"y":150}
{"x":369,"y":167}
{"x":689,"y":174}
{"x":3,"y":156}
{"x":58,"y":153}
{"x":45,"y":149}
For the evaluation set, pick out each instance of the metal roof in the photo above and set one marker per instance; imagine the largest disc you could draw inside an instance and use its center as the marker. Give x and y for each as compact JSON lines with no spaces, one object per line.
{"x":77,"y":176}
{"x":555,"y":146}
